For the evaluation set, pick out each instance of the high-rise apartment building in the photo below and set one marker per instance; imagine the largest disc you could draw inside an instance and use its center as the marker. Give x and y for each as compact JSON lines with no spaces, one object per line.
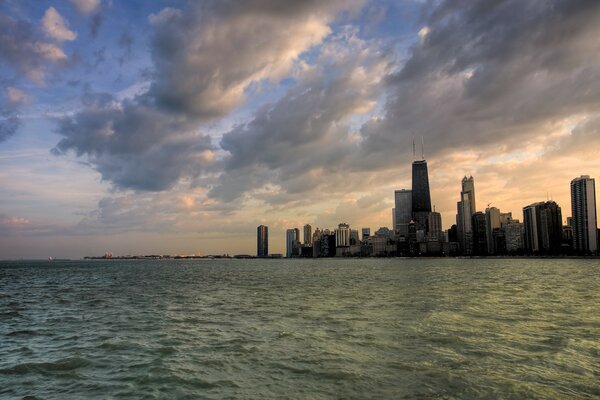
{"x":402,"y":211}
{"x":262,"y":241}
{"x":434,"y":227}
{"x":515,"y":234}
{"x":584,"y":221}
{"x":465,"y":209}
{"x":492,"y":222}
{"x":468,"y":188}
{"x":308,"y":235}
{"x":464,"y":224}
{"x":291,"y":238}
{"x":342,"y":235}
{"x":479,"y":234}
{"x":543,"y":227}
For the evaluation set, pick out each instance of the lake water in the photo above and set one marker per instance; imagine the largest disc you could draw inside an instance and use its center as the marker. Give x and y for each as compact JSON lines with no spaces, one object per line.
{"x":300,"y":329}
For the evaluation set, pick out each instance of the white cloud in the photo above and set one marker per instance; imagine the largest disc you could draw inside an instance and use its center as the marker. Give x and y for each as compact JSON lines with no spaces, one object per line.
{"x":86,"y":7}
{"x":56,"y":26}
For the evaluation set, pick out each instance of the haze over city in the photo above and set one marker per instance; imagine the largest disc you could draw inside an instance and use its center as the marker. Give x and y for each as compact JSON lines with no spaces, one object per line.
{"x":178,"y":127}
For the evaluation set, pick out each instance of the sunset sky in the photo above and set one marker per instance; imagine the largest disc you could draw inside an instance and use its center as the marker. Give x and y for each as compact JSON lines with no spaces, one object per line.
{"x":177,"y":127}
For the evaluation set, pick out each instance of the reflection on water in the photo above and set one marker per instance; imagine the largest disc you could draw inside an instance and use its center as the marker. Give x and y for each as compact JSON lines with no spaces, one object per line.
{"x":374,"y":328}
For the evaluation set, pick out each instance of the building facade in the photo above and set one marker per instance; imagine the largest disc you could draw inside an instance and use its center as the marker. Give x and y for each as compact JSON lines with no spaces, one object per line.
{"x":543,"y":228}
{"x":402,"y":211}
{"x":421,"y":198}
{"x":492,"y":222}
{"x":262,"y":241}
{"x":308,"y":234}
{"x":584,"y":222}
{"x":291,"y":238}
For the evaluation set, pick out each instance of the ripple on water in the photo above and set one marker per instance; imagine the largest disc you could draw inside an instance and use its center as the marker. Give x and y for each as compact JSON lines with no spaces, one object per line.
{"x":391,"y":328}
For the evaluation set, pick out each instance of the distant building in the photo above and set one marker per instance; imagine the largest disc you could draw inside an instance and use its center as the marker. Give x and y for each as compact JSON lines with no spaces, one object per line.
{"x":584,"y":222}
{"x":384,"y":231}
{"x":262,"y":241}
{"x":479,"y":234}
{"x":465,"y":208}
{"x":468,"y":188}
{"x":327,"y":245}
{"x":354,"y":240}
{"x":342,"y":235}
{"x":403,"y":211}
{"x":453,"y":234}
{"x":492,"y":222}
{"x":316,"y":240}
{"x":464,"y":223}
{"x":366,"y":232}
{"x":291,"y":238}
{"x":515,"y":236}
{"x":543,"y":228}
{"x":307,"y":234}
{"x":421,"y":198}
{"x":434,"y":227}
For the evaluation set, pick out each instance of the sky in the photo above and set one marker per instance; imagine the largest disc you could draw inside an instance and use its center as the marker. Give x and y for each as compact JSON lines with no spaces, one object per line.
{"x":178,"y":127}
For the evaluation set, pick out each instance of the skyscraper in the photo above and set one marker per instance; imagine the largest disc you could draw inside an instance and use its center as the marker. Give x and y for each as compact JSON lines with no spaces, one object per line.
{"x":291,"y":237}
{"x":307,"y":234}
{"x":492,"y":222}
{"x":464,"y":217}
{"x":403,"y":211}
{"x":434,"y":227}
{"x":468,"y":187}
{"x":262,"y":241}
{"x":514,"y":232}
{"x":342,"y":235}
{"x":479,"y":234}
{"x":421,"y":199}
{"x":584,"y":220}
{"x":464,"y":224}
{"x":543,"y":227}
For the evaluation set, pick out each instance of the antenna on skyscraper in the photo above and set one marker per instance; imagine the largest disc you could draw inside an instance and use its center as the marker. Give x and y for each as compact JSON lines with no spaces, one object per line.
{"x":414,"y":149}
{"x":422,"y":148}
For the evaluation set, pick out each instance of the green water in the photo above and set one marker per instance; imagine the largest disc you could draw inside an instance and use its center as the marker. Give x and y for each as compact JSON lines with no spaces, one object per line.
{"x":301,"y":329}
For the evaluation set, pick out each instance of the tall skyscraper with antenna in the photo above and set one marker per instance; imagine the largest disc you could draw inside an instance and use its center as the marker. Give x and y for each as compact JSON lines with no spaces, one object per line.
{"x":421,"y":199}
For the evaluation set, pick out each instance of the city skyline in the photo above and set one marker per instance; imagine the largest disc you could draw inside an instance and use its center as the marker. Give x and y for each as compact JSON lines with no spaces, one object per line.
{"x":180,"y":127}
{"x":417,"y":229}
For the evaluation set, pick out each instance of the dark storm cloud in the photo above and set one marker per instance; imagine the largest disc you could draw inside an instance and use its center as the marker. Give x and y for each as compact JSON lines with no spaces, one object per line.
{"x":487,"y":72}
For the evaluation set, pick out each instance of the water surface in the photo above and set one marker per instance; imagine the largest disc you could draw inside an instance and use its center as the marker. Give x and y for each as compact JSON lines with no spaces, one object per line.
{"x":365,"y":328}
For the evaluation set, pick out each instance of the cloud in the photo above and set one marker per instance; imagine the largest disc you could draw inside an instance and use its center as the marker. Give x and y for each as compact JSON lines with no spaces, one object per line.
{"x":16,"y":96}
{"x":25,"y":50}
{"x":8,"y":127}
{"x":204,"y":59}
{"x":484,"y":74}
{"x":303,"y":142}
{"x":86,"y":7}
{"x":56,"y":26}
{"x":9,"y":106}
{"x":207,"y":55}
{"x":133,"y":145}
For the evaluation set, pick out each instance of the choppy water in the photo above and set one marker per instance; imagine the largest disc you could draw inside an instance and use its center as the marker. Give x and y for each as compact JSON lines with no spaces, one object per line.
{"x":375,"y":328}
